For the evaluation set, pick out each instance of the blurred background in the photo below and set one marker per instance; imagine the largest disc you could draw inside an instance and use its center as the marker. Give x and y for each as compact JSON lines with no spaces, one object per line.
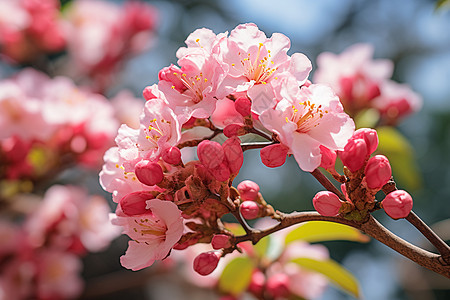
{"x":413,"y":34}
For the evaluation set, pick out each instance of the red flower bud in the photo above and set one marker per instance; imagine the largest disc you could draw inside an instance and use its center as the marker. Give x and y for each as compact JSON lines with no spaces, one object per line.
{"x":220,"y":241}
{"x":149,"y":173}
{"x":221,"y":172}
{"x":243,"y":106}
{"x":206,"y":262}
{"x":210,"y":154}
{"x":249,"y":210}
{"x":248,"y":190}
{"x":278,"y":285}
{"x":233,"y":154}
{"x":397,"y":204}
{"x":378,"y":172}
{"x":354,"y":155}
{"x":274,"y":155}
{"x":328,"y":158}
{"x":148,"y":94}
{"x":172,"y":155}
{"x":234,"y":129}
{"x":135,"y":203}
{"x":370,"y":136}
{"x":257,"y":282}
{"x":327,"y":203}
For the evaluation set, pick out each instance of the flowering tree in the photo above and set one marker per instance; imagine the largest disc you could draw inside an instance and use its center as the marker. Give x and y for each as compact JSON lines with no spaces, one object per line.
{"x":243,"y":89}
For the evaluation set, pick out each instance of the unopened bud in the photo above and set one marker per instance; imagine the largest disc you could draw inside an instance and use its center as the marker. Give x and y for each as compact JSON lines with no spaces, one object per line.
{"x":354,"y":155}
{"x":397,"y":204}
{"x":135,"y":203}
{"x":249,"y":210}
{"x":220,"y":241}
{"x":210,"y":154}
{"x":328,"y":158}
{"x":243,"y":106}
{"x":205,"y":263}
{"x":273,"y":156}
{"x":370,"y":136}
{"x":278,"y":285}
{"x":327,"y":203}
{"x":373,"y":91}
{"x":221,"y":172}
{"x":233,"y":153}
{"x":346,"y":84}
{"x":148,"y":93}
{"x":234,"y":129}
{"x":172,"y":155}
{"x":149,"y":173}
{"x":257,"y":282}
{"x":378,"y":172}
{"x":248,"y":190}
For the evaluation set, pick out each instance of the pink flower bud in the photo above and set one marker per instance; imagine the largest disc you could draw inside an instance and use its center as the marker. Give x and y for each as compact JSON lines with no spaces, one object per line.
{"x":172,"y":155}
{"x":221,"y":172}
{"x":354,"y":155}
{"x":220,"y":241}
{"x":378,"y":172}
{"x":249,"y":210}
{"x":278,"y":285}
{"x":210,"y":154}
{"x":205,"y":263}
{"x":135,"y":203}
{"x":248,"y":190}
{"x":235,"y":129}
{"x":257,"y":282}
{"x":149,"y":173}
{"x":172,"y":74}
{"x":373,"y":90}
{"x":370,"y":136}
{"x":346,"y":84}
{"x":327,"y":203}
{"x":397,"y":204}
{"x":233,"y":154}
{"x":274,"y":155}
{"x":328,"y":158}
{"x":243,"y":106}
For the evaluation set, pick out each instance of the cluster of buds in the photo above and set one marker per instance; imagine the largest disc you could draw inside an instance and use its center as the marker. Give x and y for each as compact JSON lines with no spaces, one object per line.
{"x":364,"y":175}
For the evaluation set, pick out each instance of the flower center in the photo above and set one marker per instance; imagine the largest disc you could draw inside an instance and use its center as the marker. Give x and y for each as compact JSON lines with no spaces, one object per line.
{"x":150,"y":228}
{"x":155,"y":130}
{"x":258,"y":69}
{"x":306,"y":116}
{"x":194,"y":84}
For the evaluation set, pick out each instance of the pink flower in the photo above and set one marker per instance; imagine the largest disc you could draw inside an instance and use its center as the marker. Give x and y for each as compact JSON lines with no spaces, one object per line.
{"x":127,"y":108}
{"x":153,"y":233}
{"x":255,"y":60}
{"x":311,"y":117}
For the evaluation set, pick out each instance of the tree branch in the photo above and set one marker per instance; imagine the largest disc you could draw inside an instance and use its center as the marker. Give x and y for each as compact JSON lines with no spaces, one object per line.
{"x":326,"y":183}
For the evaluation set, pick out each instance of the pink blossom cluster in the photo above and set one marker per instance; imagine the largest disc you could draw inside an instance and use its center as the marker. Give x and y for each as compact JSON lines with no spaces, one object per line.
{"x":96,"y":36}
{"x":364,"y":175}
{"x":362,"y":82}
{"x":40,"y":258}
{"x":48,"y":124}
{"x":228,"y":88}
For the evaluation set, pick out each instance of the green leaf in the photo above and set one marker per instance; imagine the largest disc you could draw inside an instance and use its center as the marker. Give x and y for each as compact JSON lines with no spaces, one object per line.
{"x":235,"y":228}
{"x":401,"y":157}
{"x":236,"y":276}
{"x":319,"y":231}
{"x":367,"y":118}
{"x":442,"y":4}
{"x":262,"y":246}
{"x":339,"y":276}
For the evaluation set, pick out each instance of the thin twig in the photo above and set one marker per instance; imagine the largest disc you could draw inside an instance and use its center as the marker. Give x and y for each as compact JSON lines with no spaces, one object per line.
{"x":326,"y":183}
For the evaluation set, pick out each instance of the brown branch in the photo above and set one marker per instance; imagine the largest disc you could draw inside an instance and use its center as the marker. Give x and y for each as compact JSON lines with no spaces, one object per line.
{"x":326,"y":183}
{"x":372,"y":228}
{"x":260,"y":133}
{"x":255,"y":145}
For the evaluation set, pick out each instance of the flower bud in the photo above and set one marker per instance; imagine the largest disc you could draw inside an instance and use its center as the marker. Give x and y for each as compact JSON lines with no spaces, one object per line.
{"x":327,"y":203}
{"x":135,"y":203}
{"x":397,"y":204}
{"x":234,"y":129}
{"x":354,"y":155}
{"x":233,"y":153}
{"x":220,"y":241}
{"x":370,"y":136}
{"x":373,"y":90}
{"x":249,"y":210}
{"x":328,"y":158}
{"x":172,"y":75}
{"x":172,"y":155}
{"x":205,"y":263}
{"x":149,"y":173}
{"x":148,"y":93}
{"x":210,"y":154}
{"x":248,"y":190}
{"x":278,"y":285}
{"x":243,"y":106}
{"x":378,"y":172}
{"x":257,"y":282}
{"x":221,"y":172}
{"x":274,"y":155}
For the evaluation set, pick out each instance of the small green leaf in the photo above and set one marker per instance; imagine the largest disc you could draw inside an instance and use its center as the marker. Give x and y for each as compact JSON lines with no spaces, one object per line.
{"x":401,"y":157}
{"x":367,"y":118}
{"x":236,"y":276}
{"x":339,"y":276}
{"x":262,"y":246}
{"x":235,"y":228}
{"x":319,"y":231}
